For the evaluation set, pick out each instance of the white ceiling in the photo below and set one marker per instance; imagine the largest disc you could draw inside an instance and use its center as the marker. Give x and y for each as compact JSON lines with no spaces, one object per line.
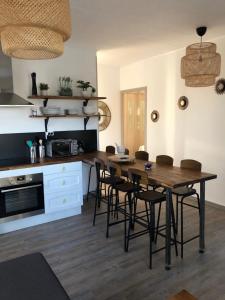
{"x":124,"y":31}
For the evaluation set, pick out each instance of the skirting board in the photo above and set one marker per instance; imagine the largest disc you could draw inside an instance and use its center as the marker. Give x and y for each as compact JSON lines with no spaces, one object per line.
{"x":37,"y":220}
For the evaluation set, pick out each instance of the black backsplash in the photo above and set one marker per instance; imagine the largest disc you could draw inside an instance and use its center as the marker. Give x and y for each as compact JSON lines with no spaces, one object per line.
{"x":13,"y":145}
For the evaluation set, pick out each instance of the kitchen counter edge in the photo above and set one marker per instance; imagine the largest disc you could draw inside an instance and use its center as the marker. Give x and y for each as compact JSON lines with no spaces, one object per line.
{"x":85,"y":157}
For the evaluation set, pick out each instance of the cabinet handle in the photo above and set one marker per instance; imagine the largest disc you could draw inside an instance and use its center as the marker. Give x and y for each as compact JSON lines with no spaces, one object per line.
{"x":63,"y":183}
{"x":64,"y":200}
{"x":63,"y":168}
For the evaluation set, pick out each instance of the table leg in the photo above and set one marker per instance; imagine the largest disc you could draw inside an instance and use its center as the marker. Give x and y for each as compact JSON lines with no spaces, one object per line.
{"x":202,"y":218}
{"x":168,"y":228}
{"x":89,"y":181}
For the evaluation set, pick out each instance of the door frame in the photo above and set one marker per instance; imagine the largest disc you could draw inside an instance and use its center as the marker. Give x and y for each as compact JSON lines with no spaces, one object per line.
{"x":122,"y":92}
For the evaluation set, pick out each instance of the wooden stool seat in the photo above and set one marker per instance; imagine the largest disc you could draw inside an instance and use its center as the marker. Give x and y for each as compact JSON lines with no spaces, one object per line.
{"x":183,"y":295}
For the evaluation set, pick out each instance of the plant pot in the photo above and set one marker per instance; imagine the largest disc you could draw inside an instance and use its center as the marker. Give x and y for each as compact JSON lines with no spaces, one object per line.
{"x":90,"y":110}
{"x":87,"y":93}
{"x":44,"y":92}
{"x":66,"y":92}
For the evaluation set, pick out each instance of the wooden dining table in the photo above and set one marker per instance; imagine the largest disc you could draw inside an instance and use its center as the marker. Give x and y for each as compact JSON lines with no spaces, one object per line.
{"x":169,"y":177}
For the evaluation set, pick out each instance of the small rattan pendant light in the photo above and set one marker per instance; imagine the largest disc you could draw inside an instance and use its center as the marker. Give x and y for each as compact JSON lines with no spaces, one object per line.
{"x":34,"y":29}
{"x":201,"y":64}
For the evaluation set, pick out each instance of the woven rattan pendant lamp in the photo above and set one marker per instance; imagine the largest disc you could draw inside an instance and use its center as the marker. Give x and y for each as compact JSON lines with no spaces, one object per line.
{"x":34,"y":29}
{"x":201,"y":64}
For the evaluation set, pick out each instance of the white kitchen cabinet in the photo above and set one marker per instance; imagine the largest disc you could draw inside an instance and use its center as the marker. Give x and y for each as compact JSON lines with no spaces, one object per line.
{"x":55,"y":182}
{"x":63,"y":186}
{"x":62,"y":168}
{"x":63,"y":193}
{"x":62,"y":200}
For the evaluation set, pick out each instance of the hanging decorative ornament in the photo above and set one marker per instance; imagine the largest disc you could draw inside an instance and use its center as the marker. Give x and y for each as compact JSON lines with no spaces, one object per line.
{"x":183,"y":102}
{"x":155,"y":116}
{"x":220,"y":86}
{"x":201,"y":64}
{"x":34,"y":29}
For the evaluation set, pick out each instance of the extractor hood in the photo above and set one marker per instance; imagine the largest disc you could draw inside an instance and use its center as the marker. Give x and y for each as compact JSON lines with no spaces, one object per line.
{"x":11,"y":99}
{"x":7,"y":97}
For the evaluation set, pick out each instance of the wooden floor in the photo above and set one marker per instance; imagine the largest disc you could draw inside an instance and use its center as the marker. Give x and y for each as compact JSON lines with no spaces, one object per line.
{"x":91,"y":267}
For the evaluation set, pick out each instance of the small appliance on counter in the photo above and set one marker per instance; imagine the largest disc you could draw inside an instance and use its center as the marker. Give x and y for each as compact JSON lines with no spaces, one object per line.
{"x":61,"y":147}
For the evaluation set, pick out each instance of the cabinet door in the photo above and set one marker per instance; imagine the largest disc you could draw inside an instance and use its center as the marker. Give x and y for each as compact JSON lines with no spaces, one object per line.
{"x":59,"y":182}
{"x":62,"y":201}
{"x":63,"y":187}
{"x":62,"y":168}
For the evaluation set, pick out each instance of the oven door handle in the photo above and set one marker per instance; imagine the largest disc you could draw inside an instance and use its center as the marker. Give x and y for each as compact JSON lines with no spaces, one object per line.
{"x":21,"y":188}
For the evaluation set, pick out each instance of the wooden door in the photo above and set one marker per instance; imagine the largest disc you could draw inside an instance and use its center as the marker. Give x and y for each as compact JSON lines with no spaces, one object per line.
{"x":133,"y":119}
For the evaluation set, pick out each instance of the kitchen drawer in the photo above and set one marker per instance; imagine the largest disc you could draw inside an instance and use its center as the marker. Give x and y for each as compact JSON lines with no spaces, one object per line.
{"x":69,"y":180}
{"x":62,"y":168}
{"x":61,"y":201}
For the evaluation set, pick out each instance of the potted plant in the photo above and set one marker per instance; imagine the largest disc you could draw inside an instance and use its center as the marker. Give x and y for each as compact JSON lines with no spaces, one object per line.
{"x":86,"y":88}
{"x":65,"y":86}
{"x":44,"y":89}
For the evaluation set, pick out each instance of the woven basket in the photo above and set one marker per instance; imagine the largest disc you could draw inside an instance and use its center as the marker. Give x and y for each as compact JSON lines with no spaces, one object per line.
{"x":31,"y":43}
{"x":200,"y":81}
{"x":203,"y":48}
{"x":34,"y":29}
{"x":51,"y":14}
{"x":200,"y":67}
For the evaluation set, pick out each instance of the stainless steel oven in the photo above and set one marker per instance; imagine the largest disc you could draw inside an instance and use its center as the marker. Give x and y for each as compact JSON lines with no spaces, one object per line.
{"x":21,"y":196}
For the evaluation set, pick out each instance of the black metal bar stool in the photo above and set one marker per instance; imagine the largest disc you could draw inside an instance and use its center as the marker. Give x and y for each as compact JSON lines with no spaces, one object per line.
{"x":142,"y":155}
{"x":163,"y":160}
{"x":114,"y":205}
{"x":108,"y":180}
{"x":181,"y":194}
{"x":91,"y":166}
{"x":146,"y":217}
{"x":110,"y":149}
{"x":128,"y":189}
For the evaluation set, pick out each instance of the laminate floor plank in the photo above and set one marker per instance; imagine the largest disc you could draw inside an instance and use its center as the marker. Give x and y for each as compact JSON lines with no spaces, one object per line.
{"x":91,"y":267}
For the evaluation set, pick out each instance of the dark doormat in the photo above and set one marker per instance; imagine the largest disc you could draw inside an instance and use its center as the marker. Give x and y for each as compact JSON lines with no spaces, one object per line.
{"x":29,"y":278}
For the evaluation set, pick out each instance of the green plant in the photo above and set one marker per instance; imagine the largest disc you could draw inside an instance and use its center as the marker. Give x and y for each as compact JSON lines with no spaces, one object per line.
{"x":65,"y":86}
{"x":44,"y":86}
{"x":84,"y":85}
{"x":65,"y":82}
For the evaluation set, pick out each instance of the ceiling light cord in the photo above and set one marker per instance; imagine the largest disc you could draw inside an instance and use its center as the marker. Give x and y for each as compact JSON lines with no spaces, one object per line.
{"x":200,"y":50}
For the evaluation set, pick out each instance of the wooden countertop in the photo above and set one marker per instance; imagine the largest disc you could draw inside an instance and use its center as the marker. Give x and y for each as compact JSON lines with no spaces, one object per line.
{"x":166,"y":176}
{"x":85,"y":157}
{"x":48,"y":161}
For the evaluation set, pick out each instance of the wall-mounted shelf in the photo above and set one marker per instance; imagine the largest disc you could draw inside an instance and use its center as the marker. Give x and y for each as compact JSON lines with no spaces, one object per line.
{"x":64,"y":116}
{"x":66,"y":97}
{"x":55,"y":97}
{"x":47,"y":117}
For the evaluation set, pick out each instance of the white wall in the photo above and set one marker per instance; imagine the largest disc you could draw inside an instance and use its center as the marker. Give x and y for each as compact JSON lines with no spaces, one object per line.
{"x":109,"y":86}
{"x":197,"y":132}
{"x":76,"y":62}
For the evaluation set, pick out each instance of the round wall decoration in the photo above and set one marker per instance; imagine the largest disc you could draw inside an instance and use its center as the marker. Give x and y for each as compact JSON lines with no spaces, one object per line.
{"x":183,"y":102}
{"x":155,"y":116}
{"x":104,"y":115}
{"x":220,"y":86}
